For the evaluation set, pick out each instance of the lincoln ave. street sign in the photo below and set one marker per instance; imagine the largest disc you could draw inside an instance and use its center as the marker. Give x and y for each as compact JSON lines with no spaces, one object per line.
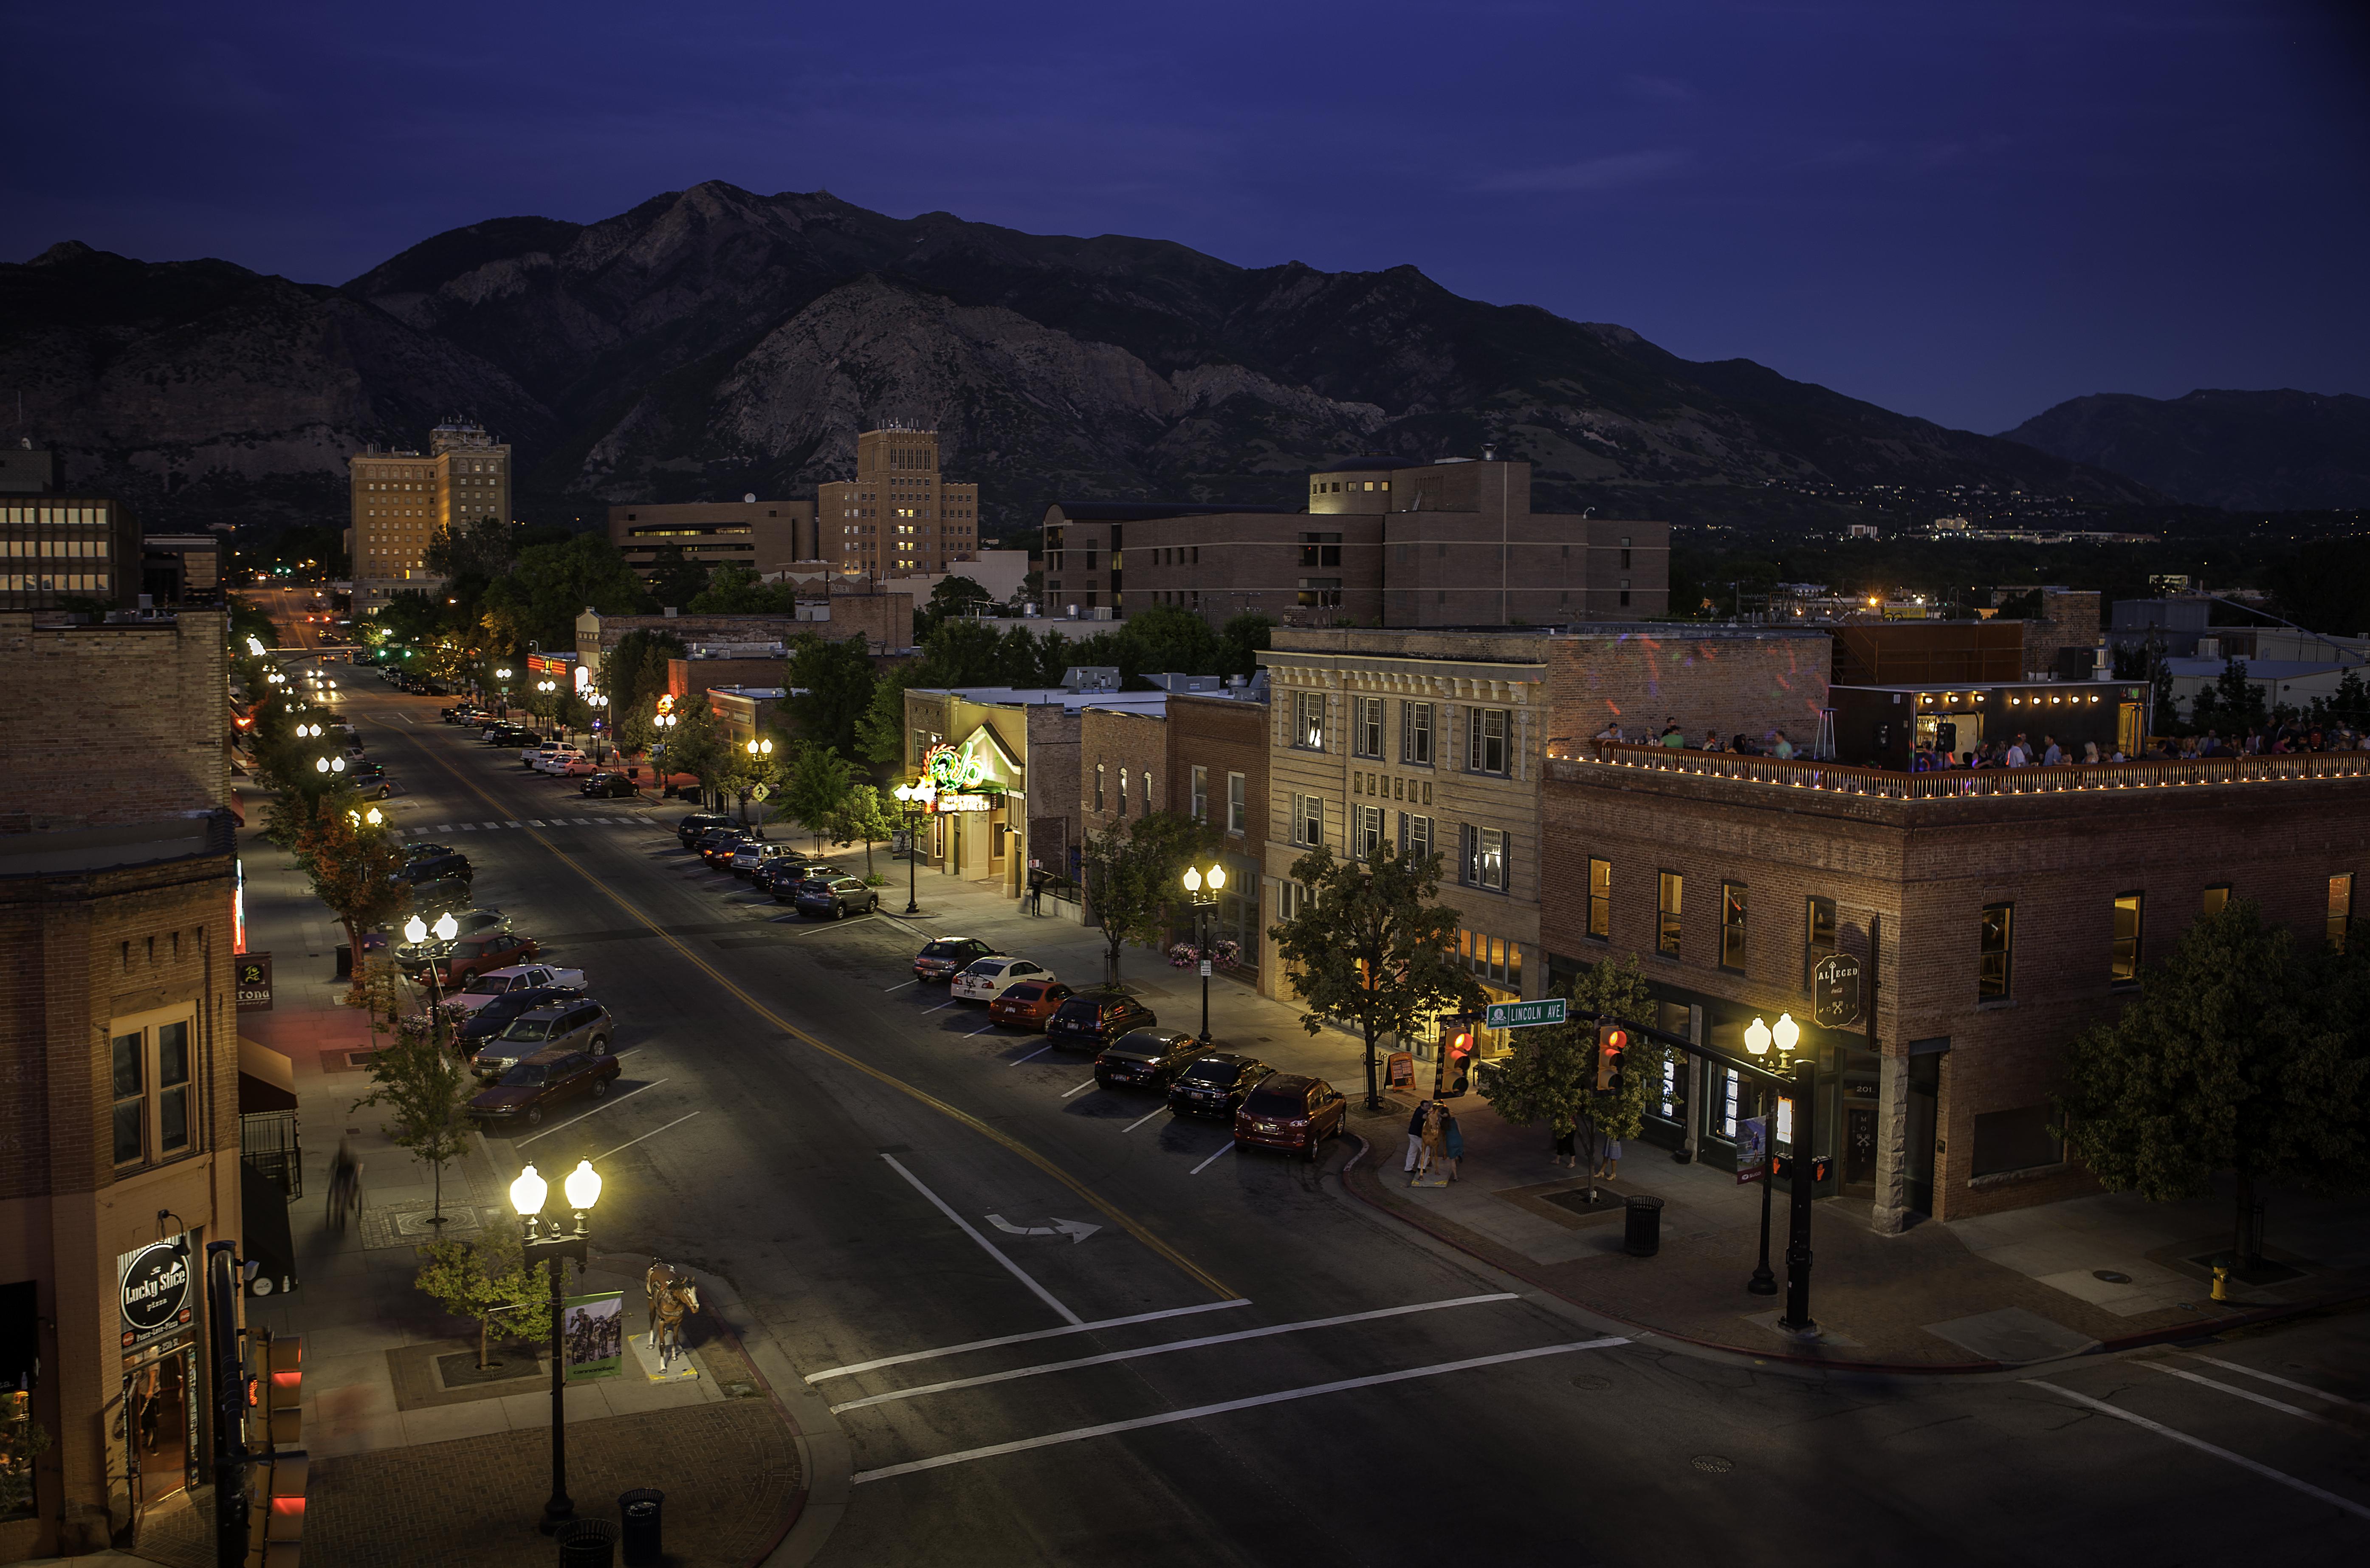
{"x":1526,"y":1015}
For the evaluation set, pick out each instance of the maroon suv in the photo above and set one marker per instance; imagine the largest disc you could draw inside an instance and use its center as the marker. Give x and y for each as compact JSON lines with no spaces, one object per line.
{"x":1290,"y":1112}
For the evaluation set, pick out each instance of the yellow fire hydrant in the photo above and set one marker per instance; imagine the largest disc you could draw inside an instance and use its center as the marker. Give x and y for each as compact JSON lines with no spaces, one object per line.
{"x":2221,"y":1282}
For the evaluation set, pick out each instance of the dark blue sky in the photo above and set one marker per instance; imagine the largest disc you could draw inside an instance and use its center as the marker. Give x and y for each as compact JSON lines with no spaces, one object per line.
{"x":1966,"y":210}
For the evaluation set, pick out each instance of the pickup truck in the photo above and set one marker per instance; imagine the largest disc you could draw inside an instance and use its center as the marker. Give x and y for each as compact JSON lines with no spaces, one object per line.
{"x":518,"y":977}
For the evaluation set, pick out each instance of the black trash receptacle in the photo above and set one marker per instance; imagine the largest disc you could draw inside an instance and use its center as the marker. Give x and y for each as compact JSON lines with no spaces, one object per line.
{"x":1641,"y":1231}
{"x":640,"y":1509}
{"x":586,"y":1543}
{"x":345,"y":962}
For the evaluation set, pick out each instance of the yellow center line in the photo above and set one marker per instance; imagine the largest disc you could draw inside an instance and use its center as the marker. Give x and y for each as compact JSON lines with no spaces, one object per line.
{"x":1086,"y":1194}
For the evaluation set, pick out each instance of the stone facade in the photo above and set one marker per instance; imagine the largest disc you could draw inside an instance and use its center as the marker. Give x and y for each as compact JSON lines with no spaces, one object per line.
{"x":1726,"y":679}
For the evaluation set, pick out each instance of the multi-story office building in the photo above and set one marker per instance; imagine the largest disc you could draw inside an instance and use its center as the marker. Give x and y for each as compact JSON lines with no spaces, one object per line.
{"x":762,"y":536}
{"x":402,"y":501}
{"x":898,"y":517}
{"x":1383,"y":542}
{"x":57,"y":546}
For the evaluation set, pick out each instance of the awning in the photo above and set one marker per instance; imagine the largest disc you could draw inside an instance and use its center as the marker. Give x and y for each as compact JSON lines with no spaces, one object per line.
{"x":267,"y":1081}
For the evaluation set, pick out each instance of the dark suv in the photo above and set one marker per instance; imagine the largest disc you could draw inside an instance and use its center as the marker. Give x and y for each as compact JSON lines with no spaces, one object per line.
{"x":578,"y":1026}
{"x":1216,"y":1085}
{"x":1147,"y":1059}
{"x":433,"y":868}
{"x":1097,"y":1019}
{"x":689,"y":829}
{"x":498,"y":1012}
{"x":1292,"y":1112}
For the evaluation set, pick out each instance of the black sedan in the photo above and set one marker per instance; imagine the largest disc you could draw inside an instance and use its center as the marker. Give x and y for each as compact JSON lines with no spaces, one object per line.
{"x":1095,"y":1019}
{"x":1216,"y":1084}
{"x":834,"y":896}
{"x":1147,"y":1059}
{"x":608,"y":787}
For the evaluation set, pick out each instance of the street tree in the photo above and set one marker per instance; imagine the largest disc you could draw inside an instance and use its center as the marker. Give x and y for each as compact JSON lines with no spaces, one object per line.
{"x":831,"y":686}
{"x":696,"y":744}
{"x":816,"y":788}
{"x":1132,"y":871}
{"x":1240,"y":641}
{"x":863,"y":816}
{"x":880,"y":734}
{"x":955,"y":596}
{"x":536,"y":602}
{"x":1368,"y":945}
{"x":353,"y":866}
{"x":490,"y":1282}
{"x":2238,"y":1055}
{"x":1551,"y":1076}
{"x":423,"y":1081}
{"x":633,"y":677}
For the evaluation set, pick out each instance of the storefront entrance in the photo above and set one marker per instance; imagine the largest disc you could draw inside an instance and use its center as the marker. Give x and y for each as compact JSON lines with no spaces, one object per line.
{"x":157,"y":1421}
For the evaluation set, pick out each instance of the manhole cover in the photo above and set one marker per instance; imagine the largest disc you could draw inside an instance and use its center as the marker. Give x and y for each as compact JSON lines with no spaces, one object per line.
{"x":1590,"y":1382}
{"x":2110,"y":1276}
{"x":1714,"y":1464}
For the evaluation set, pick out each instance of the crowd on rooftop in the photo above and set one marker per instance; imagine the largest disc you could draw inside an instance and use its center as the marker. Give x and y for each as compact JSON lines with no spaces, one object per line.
{"x":2275,"y":740}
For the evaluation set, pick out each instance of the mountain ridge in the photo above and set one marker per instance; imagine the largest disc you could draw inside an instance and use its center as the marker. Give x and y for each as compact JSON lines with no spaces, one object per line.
{"x":2274,"y":450}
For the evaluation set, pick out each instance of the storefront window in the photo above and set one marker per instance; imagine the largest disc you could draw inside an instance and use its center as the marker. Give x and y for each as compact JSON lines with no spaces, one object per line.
{"x":131,"y":1099}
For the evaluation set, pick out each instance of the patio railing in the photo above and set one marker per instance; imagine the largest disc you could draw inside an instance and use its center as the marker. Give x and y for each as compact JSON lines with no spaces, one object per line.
{"x":1953,"y":783}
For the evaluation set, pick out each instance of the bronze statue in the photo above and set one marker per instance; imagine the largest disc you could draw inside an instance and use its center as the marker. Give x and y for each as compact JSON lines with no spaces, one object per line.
{"x":673,"y":1296}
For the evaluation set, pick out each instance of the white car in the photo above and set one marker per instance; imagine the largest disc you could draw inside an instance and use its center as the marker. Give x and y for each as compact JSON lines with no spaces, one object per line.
{"x":989,"y":979}
{"x":557,"y":762}
{"x":493,"y":982}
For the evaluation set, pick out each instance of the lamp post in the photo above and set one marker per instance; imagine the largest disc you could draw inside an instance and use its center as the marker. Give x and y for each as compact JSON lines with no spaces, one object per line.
{"x":667,"y":719}
{"x":910,"y":800}
{"x":416,"y":931}
{"x":599,"y":703}
{"x":1758,"y":1038}
{"x":547,"y":1241}
{"x":502,"y":689}
{"x":761,"y":762}
{"x":544,"y":690}
{"x":1204,"y":891}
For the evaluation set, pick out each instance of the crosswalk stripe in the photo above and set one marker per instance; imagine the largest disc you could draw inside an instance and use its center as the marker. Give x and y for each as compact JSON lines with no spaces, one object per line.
{"x":2270,"y":1378}
{"x":2236,"y":1392}
{"x":468,"y":827}
{"x":2161,"y":1430}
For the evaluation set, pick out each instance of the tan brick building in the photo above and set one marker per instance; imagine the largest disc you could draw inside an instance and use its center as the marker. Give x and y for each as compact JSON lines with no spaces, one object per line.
{"x":1217,"y":773}
{"x":120,"y":1132}
{"x":401,"y":500}
{"x":898,"y":517}
{"x":2010,"y":910}
{"x":762,"y":536}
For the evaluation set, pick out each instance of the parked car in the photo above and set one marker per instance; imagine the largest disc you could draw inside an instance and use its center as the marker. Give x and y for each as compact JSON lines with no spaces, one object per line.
{"x":482,"y":1024}
{"x":834,"y":897}
{"x":1097,"y":1019}
{"x":459,"y":713}
{"x":946,"y":957}
{"x":362,"y":775}
{"x":556,"y":761}
{"x":415,"y":957}
{"x":529,"y":755}
{"x":1291,"y":1112}
{"x":579,"y":766}
{"x":717,"y":845}
{"x":526,"y":1093}
{"x":609,"y":787}
{"x":500,"y":982}
{"x":1216,"y":1084}
{"x":443,"y":896}
{"x":689,"y":829}
{"x":434,"y":868}
{"x":1028,"y":1004}
{"x":480,"y":955}
{"x":755,"y":852}
{"x":1146,"y":1058}
{"x":781,"y":875}
{"x":507,"y":734}
{"x":569,"y":1026}
{"x":420,"y":851}
{"x":984,"y":979}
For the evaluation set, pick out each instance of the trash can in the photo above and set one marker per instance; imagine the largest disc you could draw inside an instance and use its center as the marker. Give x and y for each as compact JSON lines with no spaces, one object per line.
{"x":640,"y":1510}
{"x":1641,"y":1228}
{"x":586,"y":1543}
{"x":345,"y":962}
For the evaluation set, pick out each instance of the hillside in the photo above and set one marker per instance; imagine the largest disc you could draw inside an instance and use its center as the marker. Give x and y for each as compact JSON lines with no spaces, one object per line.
{"x":2249,"y":451}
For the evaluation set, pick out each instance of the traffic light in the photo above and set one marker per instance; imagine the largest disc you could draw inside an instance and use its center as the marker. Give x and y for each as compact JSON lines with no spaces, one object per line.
{"x":283,"y":1386}
{"x":283,"y":1513}
{"x":1612,"y":1041}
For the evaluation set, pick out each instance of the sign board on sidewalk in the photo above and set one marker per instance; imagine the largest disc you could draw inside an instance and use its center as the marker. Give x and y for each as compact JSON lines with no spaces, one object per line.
{"x":1835,"y":991}
{"x":1399,"y":1068}
{"x":1752,"y":1149}
{"x":593,"y":1335}
{"x":1526,"y":1015}
{"x":251,"y":981}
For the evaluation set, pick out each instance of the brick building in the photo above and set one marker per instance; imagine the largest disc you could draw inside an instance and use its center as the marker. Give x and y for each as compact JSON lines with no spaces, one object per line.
{"x":399,"y":502}
{"x":1218,"y":772}
{"x":898,"y":517}
{"x":120,"y":1135}
{"x":885,"y":621}
{"x":2008,"y":909}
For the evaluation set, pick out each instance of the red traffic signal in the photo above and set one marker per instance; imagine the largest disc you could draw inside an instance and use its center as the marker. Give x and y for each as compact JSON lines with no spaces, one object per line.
{"x":1461,"y":1045}
{"x":1612,"y":1040}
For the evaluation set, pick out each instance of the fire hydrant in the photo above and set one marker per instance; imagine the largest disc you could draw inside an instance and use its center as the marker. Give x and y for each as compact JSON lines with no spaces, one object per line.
{"x":2221,"y":1282}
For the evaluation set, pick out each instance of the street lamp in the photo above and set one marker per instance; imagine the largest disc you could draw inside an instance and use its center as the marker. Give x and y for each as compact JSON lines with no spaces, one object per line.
{"x":1204,"y":891}
{"x":909,"y":798}
{"x":666,"y":719}
{"x":547,"y":1241}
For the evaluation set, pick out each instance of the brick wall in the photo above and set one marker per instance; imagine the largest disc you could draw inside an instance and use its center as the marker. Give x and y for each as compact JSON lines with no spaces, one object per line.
{"x":1223,"y":736}
{"x":686,"y":676}
{"x":885,"y":620}
{"x":113,"y":724}
{"x":1735,"y":681}
{"x":1124,"y":750}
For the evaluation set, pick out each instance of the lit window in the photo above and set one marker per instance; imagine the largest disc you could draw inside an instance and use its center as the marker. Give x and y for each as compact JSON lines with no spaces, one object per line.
{"x":1995,"y":949}
{"x":1600,"y":900}
{"x":1733,"y":908}
{"x":1671,"y":889}
{"x":2124,"y":965}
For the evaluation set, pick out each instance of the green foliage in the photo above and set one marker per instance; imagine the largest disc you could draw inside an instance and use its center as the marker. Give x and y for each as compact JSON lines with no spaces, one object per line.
{"x":247,"y":620}
{"x":2232,"y":704}
{"x":737,"y":591}
{"x":409,"y":617}
{"x":817,"y":786}
{"x":536,"y":605}
{"x":2349,"y":703}
{"x":1552,"y":1077}
{"x":633,"y":678}
{"x":1166,"y":638}
{"x":1371,"y":947}
{"x":1240,"y":643}
{"x":834,"y":683}
{"x":352,"y":866}
{"x":696,"y":744}
{"x":864,"y":815}
{"x":880,"y":734}
{"x":1132,"y":868}
{"x":674,"y":579}
{"x":490,"y":1282}
{"x":423,"y":1082}
{"x":955,"y":596}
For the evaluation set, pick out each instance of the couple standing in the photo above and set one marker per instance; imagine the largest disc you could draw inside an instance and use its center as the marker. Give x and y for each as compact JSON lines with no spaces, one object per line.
{"x":1433,"y":1136}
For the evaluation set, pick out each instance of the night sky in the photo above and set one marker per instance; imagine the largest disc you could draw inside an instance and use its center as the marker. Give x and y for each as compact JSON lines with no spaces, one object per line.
{"x":1967,"y":211}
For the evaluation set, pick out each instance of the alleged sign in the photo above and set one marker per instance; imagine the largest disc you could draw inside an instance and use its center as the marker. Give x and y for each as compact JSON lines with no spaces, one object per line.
{"x":1526,"y":1015}
{"x":154,"y":1290}
{"x":592,"y":1336}
{"x":1835,"y":991}
{"x":251,"y":981}
{"x":1752,"y":1149}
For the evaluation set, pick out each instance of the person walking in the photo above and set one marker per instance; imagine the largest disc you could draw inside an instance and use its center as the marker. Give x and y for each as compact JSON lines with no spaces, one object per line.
{"x":1452,"y":1142}
{"x":345,"y":1185}
{"x":1608,"y":1163}
{"x":1036,"y":890}
{"x":1565,"y":1154}
{"x":1415,"y":1136}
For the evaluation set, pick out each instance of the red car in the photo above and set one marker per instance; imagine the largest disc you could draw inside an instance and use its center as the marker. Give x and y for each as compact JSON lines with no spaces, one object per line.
{"x":473,"y":956}
{"x":1027,"y":1005}
{"x":541,"y":1083}
{"x":1290,"y":1112}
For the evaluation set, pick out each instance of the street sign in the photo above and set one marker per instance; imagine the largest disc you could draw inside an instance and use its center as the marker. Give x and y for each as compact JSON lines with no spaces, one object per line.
{"x":1835,"y":991}
{"x":760,"y":792}
{"x":1526,"y":1015}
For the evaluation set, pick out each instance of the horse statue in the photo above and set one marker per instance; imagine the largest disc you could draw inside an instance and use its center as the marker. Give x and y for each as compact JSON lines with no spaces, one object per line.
{"x":673,"y":1296}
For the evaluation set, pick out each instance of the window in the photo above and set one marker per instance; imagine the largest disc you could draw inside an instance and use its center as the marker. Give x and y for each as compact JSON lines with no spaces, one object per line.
{"x":151,"y":1069}
{"x":1485,"y":740}
{"x":1492,"y":958}
{"x":1122,"y":791}
{"x":1201,"y":793}
{"x":129,"y":1054}
{"x":1320,"y":549}
{"x":2124,"y":967}
{"x":1147,"y":792}
{"x":1366,"y":735}
{"x":2340,"y":909}
{"x":1308,"y":820}
{"x":1368,"y":835}
{"x":1415,"y":733}
{"x":1600,"y":900}
{"x":1098,"y":786}
{"x":1994,"y":950}
{"x":1290,"y":899}
{"x":1818,"y":935}
{"x":1415,"y":837}
{"x":1731,"y":926}
{"x":1238,"y":812}
{"x":1485,"y":858}
{"x":1308,"y":720}
{"x":1723,"y":1101}
{"x":1671,"y":888}
{"x":2215,"y":897}
{"x":2016,"y":1140}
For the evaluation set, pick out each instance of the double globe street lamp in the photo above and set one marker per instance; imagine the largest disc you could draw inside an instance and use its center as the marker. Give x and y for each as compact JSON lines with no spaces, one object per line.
{"x":417,"y":931}
{"x":545,"y":1240}
{"x":761,"y":756}
{"x":1758,"y":1038}
{"x":1204,"y":890}
{"x":667,"y":719}
{"x":911,"y":799}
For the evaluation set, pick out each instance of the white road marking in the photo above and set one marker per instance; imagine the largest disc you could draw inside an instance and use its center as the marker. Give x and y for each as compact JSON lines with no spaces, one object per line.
{"x":494,"y":827}
{"x":2269,"y":1377}
{"x":2239,"y":1393}
{"x":530,"y":823}
{"x":1039,"y":1051}
{"x":940,"y":1008}
{"x":993,"y":1250}
{"x":444,"y":827}
{"x":850,"y":1370}
{"x":510,"y":825}
{"x":984,"y":1027}
{"x":1142,"y":1119}
{"x":654,"y":1132}
{"x":466,"y":827}
{"x":899,"y":985}
{"x":546,"y":1132}
{"x":2200,"y":1445}
{"x":1212,"y":1160}
{"x":1080,"y":1090}
{"x":1168,"y":1417}
{"x":1164,"y":1349}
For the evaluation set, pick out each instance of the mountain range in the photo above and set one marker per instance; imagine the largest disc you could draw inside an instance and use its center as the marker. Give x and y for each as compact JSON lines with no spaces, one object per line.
{"x":2247,"y":451}
{"x":712,"y":341}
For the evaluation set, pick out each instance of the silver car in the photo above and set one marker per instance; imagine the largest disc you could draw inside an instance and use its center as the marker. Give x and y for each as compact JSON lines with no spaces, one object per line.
{"x":579,"y":1026}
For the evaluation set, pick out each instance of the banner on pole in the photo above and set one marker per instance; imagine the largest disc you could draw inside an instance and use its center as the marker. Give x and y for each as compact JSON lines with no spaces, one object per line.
{"x":593,"y":1335}
{"x":1752,"y":1149}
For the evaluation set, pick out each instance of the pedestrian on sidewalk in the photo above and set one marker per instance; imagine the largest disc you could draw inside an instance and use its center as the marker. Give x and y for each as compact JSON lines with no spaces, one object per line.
{"x":1565,"y":1154}
{"x":1609,"y":1161}
{"x":1415,"y":1136}
{"x":1452,"y":1142}
{"x":1036,"y":890}
{"x":1427,"y":1142}
{"x":345,"y":1185}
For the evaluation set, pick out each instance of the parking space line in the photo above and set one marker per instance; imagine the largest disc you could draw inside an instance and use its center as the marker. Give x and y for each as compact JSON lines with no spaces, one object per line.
{"x":1229,"y":1148}
{"x":654,"y":1132}
{"x":993,"y":1250}
{"x":984,"y":1027}
{"x":2239,"y":1393}
{"x":1267,"y":1332}
{"x":2269,"y":1377}
{"x":2161,"y":1430}
{"x":1001,"y":1339}
{"x":1081,"y":1088}
{"x":1142,"y":1119}
{"x":521,"y":1142}
{"x":940,"y":1008}
{"x":1196,"y":1412}
{"x":1032,"y":1056}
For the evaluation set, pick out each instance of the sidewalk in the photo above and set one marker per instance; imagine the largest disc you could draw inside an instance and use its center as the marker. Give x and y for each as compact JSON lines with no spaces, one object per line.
{"x":2030,"y":1285}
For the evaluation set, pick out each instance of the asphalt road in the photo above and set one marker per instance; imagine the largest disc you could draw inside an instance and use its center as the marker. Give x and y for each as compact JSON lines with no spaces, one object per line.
{"x":1241,"y":1362}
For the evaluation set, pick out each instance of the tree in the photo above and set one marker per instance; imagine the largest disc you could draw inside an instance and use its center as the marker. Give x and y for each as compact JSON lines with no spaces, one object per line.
{"x":424,"y":1083}
{"x":1369,"y":946}
{"x":863,"y":815}
{"x":880,"y":734}
{"x":817,"y":788}
{"x":1241,"y":640}
{"x":1166,"y":638}
{"x":1552,"y":1077}
{"x":1131,"y":869}
{"x":2238,"y":1055}
{"x":633,"y":677}
{"x":2232,"y":702}
{"x":737,"y":591}
{"x":696,"y":744}
{"x":537,"y":604}
{"x":674,"y":579}
{"x":353,"y":867}
{"x":831,"y":686}
{"x":482,"y":548}
{"x":955,"y":596}
{"x":2349,"y":703}
{"x":491,"y":1282}
{"x":959,"y":653}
